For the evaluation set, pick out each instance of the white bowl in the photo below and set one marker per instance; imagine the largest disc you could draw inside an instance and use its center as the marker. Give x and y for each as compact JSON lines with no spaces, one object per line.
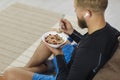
{"x":62,"y":35}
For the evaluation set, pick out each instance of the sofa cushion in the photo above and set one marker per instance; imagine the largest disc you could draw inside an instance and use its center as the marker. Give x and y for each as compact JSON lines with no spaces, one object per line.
{"x":111,"y":70}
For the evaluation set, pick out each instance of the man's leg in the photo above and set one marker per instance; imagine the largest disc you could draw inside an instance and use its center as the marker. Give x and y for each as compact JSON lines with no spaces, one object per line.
{"x":36,"y":63}
{"x":37,"y":69}
{"x":17,"y":74}
{"x":1,"y":77}
{"x":41,"y":54}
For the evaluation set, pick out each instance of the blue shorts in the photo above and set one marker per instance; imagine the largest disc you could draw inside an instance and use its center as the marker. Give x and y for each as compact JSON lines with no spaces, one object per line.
{"x":67,"y":50}
{"x":37,"y":76}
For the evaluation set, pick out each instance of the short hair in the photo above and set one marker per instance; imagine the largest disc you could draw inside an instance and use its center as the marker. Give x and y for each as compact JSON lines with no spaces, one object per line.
{"x":94,"y":5}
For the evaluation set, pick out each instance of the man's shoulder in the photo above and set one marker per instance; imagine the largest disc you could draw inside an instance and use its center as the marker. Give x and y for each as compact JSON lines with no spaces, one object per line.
{"x":112,"y":31}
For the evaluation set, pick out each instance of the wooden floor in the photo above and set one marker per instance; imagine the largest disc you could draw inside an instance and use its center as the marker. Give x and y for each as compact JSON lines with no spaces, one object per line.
{"x":20,"y":27}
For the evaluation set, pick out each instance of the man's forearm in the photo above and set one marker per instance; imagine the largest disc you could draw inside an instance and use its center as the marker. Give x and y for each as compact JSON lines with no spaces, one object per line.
{"x":76,"y":36}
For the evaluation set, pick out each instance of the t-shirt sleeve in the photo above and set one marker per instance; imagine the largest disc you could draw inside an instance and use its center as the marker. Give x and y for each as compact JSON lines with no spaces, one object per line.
{"x":76,"y":36}
{"x":63,"y":69}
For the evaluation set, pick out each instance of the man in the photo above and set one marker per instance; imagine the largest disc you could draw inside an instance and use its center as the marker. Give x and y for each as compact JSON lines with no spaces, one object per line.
{"x":94,"y":48}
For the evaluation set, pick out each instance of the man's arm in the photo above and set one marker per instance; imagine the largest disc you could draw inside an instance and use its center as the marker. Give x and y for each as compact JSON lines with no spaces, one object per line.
{"x":80,"y":68}
{"x":76,"y":36}
{"x":62,"y":66}
{"x":67,"y":28}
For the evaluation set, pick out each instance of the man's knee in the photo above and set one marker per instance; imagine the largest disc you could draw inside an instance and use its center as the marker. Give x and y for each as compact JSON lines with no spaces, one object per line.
{"x":9,"y":74}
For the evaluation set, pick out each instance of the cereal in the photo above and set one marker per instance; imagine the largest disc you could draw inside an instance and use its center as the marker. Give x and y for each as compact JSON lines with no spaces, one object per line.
{"x":54,"y":39}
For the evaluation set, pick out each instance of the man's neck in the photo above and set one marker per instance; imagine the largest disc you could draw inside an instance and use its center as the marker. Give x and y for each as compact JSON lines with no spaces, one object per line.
{"x":96,"y":23}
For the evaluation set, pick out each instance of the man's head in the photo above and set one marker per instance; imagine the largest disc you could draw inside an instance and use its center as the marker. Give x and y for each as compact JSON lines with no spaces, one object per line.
{"x":85,"y":9}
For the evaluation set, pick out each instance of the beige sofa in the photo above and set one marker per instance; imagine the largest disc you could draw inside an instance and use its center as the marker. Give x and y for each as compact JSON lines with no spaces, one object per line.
{"x":111,"y":70}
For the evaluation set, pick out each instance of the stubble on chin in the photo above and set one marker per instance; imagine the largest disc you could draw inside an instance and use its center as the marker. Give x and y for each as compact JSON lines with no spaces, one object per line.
{"x":82,"y":23}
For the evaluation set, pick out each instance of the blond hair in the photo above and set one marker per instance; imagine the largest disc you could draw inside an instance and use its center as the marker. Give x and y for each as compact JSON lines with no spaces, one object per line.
{"x":94,"y":5}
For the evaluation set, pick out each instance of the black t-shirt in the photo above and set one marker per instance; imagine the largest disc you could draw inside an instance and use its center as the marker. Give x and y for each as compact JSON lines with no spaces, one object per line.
{"x":92,"y":52}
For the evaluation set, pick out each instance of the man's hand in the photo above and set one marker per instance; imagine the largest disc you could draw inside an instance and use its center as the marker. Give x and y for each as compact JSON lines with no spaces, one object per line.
{"x":66,"y":26}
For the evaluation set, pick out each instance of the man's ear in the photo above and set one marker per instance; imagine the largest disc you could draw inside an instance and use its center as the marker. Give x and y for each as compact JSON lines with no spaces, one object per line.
{"x":87,"y":14}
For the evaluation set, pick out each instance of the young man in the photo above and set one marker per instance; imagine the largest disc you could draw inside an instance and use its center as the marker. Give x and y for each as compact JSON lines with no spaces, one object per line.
{"x":94,"y":48}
